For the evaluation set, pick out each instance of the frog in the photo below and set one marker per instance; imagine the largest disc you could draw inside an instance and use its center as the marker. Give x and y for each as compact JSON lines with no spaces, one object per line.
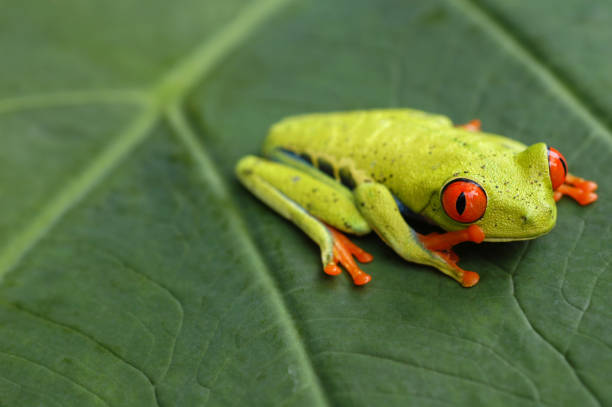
{"x":334,"y":174}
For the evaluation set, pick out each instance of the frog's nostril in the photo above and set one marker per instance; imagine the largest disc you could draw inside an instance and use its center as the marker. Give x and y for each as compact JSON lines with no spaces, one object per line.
{"x":529,"y":219}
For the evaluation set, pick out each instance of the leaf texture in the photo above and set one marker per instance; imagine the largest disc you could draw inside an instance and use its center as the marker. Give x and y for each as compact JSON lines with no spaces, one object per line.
{"x":137,"y":271}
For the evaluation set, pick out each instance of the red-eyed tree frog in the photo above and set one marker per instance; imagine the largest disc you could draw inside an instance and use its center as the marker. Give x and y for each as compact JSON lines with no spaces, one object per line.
{"x":354,"y":172}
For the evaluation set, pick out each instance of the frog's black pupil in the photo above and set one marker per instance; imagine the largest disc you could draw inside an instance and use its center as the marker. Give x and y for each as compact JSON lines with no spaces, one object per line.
{"x":460,"y":205}
{"x":564,"y":165}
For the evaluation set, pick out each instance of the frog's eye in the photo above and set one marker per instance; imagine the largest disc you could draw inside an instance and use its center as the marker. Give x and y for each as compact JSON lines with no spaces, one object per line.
{"x":557,"y":166}
{"x":464,"y":200}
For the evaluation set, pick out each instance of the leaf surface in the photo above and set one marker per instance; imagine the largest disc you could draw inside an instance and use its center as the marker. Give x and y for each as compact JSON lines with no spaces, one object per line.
{"x":137,"y":271}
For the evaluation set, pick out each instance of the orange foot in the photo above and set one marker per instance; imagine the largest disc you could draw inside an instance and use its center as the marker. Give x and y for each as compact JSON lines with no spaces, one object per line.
{"x":344,"y":250}
{"x":472,"y":125}
{"x":442,"y":243}
{"x":577,"y":188}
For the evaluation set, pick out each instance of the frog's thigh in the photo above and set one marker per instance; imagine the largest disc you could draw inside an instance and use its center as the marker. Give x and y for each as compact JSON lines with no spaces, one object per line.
{"x":299,"y":197}
{"x":380,"y":209}
{"x":299,"y":163}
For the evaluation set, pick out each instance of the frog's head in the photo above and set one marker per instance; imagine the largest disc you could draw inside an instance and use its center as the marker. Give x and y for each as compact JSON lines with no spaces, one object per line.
{"x":509,"y":195}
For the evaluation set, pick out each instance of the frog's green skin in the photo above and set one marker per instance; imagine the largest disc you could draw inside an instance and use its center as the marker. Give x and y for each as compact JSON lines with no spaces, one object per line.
{"x":404,"y":153}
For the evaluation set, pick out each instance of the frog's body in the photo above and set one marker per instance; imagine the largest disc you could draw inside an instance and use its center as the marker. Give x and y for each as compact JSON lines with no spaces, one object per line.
{"x":358,"y":171}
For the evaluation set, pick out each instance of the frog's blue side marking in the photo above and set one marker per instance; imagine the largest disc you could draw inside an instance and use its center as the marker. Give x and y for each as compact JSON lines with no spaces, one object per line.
{"x":325,"y":166}
{"x":406,"y":212}
{"x":344,"y":175}
{"x":296,"y":156}
{"x":346,"y":178}
{"x":306,"y":157}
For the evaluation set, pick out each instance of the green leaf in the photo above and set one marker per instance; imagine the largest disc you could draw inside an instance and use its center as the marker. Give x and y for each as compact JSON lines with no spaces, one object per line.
{"x":137,"y":271}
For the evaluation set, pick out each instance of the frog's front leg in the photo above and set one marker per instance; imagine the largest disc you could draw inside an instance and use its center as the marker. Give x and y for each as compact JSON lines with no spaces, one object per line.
{"x":581,"y":190}
{"x":318,"y":208}
{"x":378,"y":206}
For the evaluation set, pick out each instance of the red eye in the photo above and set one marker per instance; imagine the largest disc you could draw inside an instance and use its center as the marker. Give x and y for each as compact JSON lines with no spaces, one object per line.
{"x":557,"y":166}
{"x":464,"y":200}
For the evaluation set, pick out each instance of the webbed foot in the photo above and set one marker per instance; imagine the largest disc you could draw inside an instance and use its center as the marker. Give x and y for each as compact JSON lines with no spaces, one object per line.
{"x":344,"y":250}
{"x":442,"y":243}
{"x":579,"y":189}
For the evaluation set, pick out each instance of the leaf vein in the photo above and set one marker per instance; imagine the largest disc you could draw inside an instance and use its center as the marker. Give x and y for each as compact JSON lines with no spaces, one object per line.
{"x":26,"y":389}
{"x":55,"y":372}
{"x":528,"y":380}
{"x":87,"y":337}
{"x":75,"y":190}
{"x":427,"y":369}
{"x":569,"y":253}
{"x":72,"y":98}
{"x":216,"y":329}
{"x":167,"y":92}
{"x":588,"y":306}
{"x":516,"y":46}
{"x":213,"y":180}
{"x":124,"y":264}
{"x":561,"y":355}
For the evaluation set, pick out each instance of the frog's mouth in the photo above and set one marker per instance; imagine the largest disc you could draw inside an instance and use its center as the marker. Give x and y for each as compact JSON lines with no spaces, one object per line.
{"x":530,"y":236}
{"x":517,"y":225}
{"x":509,"y":239}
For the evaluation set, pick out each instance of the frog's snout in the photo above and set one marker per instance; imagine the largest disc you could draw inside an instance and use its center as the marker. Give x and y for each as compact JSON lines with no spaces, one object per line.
{"x":522,"y":223}
{"x":538,"y":221}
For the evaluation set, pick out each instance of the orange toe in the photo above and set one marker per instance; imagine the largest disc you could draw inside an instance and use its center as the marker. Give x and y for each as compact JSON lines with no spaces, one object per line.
{"x":475,"y":234}
{"x":579,"y":189}
{"x":332,"y":269}
{"x":344,"y":250}
{"x":470,"y":278}
{"x":363,"y":257}
{"x":362,"y":279}
{"x":581,"y":196}
{"x":581,"y":183}
{"x":442,"y":243}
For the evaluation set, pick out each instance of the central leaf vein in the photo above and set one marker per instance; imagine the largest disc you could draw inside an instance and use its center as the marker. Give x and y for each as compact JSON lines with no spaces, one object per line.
{"x":166,"y":93}
{"x":213,"y":180}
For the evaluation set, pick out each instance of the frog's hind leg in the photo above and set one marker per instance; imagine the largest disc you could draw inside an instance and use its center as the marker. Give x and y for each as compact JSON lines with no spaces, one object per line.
{"x":344,"y":250}
{"x":315,"y":207}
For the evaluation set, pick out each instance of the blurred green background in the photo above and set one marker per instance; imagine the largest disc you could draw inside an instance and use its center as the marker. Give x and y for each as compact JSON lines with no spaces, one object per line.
{"x":136,"y":271}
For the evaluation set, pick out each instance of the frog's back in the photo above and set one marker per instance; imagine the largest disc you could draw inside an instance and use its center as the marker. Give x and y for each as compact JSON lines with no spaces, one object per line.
{"x":351,"y":134}
{"x":342,"y":131}
{"x":406,"y":150}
